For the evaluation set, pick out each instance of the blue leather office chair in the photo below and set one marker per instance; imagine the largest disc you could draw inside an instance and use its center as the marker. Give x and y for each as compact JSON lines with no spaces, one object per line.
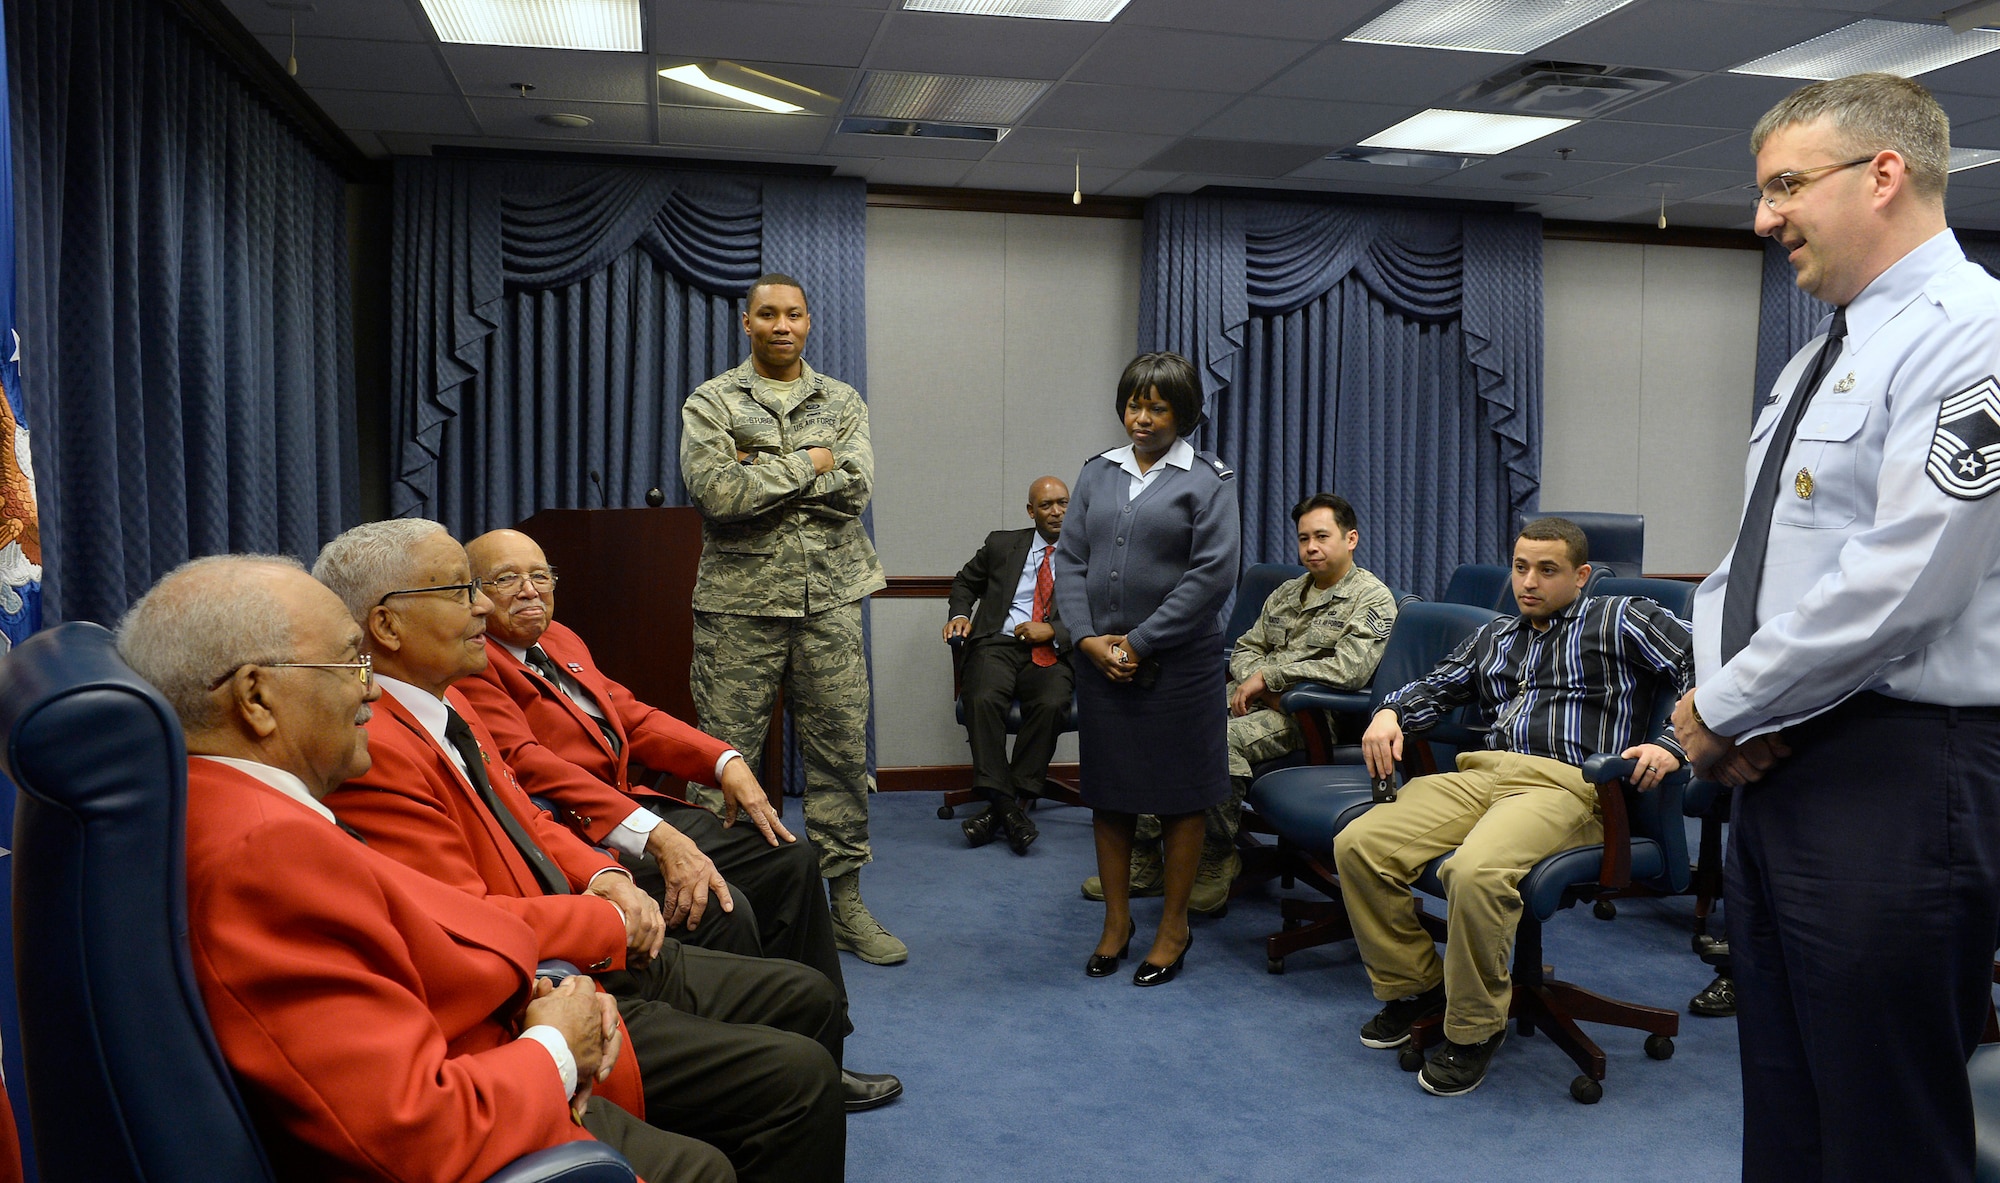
{"x":1984,"y":1070}
{"x":1482,"y":585}
{"x":1645,"y":843}
{"x":1253,"y":587}
{"x":1617,"y":540}
{"x":125,"y":1081}
{"x":1307,"y":806}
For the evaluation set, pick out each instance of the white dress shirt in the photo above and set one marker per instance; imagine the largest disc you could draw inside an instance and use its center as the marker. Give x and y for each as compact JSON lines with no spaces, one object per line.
{"x":1180,"y":454}
{"x":1023,"y":609}
{"x":291,"y":786}
{"x":1877,"y":576}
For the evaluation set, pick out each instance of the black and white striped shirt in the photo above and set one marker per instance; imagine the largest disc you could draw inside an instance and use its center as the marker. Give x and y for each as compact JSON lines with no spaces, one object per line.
{"x":1583,"y":685}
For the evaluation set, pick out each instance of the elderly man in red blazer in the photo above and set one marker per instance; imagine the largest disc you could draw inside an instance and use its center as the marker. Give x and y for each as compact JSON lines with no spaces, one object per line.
{"x":740,"y":1052}
{"x":575,"y":736}
{"x":385,"y":1026}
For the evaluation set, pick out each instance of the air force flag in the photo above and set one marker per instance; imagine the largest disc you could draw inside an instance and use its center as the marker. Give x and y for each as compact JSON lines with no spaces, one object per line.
{"x":1965,"y":448}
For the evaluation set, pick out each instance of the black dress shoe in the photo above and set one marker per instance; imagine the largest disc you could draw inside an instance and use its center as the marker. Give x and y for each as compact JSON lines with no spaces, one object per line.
{"x":1149,"y":974}
{"x":981,"y":827}
{"x":1100,"y":966}
{"x":1021,"y":831}
{"x":865,"y":1090}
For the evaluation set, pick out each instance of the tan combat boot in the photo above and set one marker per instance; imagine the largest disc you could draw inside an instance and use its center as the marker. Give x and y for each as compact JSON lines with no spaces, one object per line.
{"x":1149,"y":875}
{"x":1210,"y":896}
{"x":855,"y":930}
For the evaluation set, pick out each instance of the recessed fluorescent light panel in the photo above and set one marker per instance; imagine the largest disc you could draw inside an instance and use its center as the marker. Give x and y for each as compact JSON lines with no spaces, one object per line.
{"x":695,"y":76}
{"x":1964,"y":158}
{"x":1045,"y":10}
{"x":1473,"y":133}
{"x":945,"y":98}
{"x":1481,"y":26}
{"x":539,"y":24}
{"x":1893,"y":47}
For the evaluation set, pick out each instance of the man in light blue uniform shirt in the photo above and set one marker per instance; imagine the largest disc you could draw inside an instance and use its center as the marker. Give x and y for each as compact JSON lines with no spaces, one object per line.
{"x":1847,"y":659}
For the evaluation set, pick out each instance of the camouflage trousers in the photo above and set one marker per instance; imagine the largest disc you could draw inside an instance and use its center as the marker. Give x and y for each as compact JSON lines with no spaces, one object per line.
{"x":739,"y":663}
{"x":1253,"y":738}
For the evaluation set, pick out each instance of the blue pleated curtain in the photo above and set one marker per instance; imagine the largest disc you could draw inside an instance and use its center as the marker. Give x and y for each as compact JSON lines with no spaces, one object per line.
{"x":549,"y":320}
{"x":1787,"y":317}
{"x":1391,"y":356}
{"x":183,"y":306}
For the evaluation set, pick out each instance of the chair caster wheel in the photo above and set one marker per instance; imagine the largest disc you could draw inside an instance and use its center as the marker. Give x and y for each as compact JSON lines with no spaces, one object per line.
{"x":945,"y":812}
{"x":1274,"y":965}
{"x":1659,"y":1047}
{"x":1586,"y":1091}
{"x":1604,"y":910}
{"x":1411,"y":1058}
{"x":1700,"y":943}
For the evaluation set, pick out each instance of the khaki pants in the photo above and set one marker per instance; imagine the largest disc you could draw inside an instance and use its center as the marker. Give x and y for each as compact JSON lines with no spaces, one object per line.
{"x":1503,"y":813}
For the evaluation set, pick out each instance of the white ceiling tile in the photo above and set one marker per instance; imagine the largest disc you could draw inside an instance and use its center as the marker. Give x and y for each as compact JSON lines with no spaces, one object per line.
{"x":1311,"y":20}
{"x":1137,"y":56}
{"x":1036,"y":178}
{"x":1686,"y":183}
{"x":342,"y":63}
{"x":625,"y":123}
{"x":745,"y":131}
{"x":1625,"y":143}
{"x":1139,"y":183}
{"x":382,"y":20}
{"x":742,"y":29}
{"x":1140,"y":109}
{"x":1492,"y":175}
{"x":1690,"y":34}
{"x":1303,"y":121}
{"x":987,"y":46}
{"x":381,"y":111}
{"x":491,"y":70}
{"x":908,"y":170}
{"x":1385,"y":74}
{"x":1102,"y":150}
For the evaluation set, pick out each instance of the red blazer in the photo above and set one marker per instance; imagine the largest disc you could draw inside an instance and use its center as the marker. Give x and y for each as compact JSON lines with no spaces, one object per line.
{"x":559,"y":751}
{"x":371,"y":1010}
{"x":415,"y":807}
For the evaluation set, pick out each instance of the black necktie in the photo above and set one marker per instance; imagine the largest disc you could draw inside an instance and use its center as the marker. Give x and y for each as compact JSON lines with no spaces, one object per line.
{"x":546,"y":667}
{"x":460,"y":736}
{"x":1746,"y":566}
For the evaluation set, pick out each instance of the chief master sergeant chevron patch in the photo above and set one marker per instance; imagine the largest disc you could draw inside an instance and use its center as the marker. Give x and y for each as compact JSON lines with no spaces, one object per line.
{"x":1965,"y":448}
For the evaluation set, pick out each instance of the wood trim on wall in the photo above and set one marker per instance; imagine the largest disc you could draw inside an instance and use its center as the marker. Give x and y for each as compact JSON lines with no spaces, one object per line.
{"x":1001,"y":201}
{"x":916,"y":587}
{"x":1640,"y":235}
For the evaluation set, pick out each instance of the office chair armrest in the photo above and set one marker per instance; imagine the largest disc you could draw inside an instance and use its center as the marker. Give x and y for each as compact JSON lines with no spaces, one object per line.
{"x":572,"y":1162}
{"x":1316,"y":696}
{"x":1607,"y":771}
{"x":556,"y":970}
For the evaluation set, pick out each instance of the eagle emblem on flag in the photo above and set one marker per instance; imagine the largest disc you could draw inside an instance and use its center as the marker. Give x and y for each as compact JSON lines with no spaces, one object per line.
{"x":1965,"y":448}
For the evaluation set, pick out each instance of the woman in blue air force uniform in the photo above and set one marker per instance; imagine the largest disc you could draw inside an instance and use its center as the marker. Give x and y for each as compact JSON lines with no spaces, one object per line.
{"x":1148,"y":555}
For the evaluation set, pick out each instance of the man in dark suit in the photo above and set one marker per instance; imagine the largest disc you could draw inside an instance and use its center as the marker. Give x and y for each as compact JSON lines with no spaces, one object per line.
{"x":1016,"y":649}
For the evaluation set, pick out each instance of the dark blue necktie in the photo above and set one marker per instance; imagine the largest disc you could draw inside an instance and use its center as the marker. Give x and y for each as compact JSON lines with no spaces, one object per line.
{"x":1753,"y":539}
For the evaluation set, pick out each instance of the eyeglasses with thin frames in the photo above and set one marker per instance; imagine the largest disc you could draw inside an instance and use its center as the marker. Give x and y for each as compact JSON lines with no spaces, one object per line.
{"x":363,"y":670}
{"x":1785,"y":185}
{"x":471,"y":591}
{"x":510,"y":583}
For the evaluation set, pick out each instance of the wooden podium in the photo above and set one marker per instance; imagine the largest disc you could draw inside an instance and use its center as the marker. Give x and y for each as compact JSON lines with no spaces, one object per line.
{"x":628,"y":589}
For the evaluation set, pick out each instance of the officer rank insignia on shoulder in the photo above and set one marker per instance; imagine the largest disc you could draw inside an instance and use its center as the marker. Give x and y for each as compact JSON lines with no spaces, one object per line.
{"x":1965,"y":448}
{"x":1222,"y":470}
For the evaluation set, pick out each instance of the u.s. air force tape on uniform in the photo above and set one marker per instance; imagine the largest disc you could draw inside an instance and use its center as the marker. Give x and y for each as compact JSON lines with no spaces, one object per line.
{"x":1965,"y":447}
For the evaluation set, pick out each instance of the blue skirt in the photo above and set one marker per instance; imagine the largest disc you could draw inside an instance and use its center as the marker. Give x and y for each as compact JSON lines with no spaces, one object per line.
{"x":1161,"y":750}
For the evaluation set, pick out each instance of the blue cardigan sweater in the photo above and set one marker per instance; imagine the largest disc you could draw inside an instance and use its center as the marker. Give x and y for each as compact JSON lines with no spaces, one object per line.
{"x":1157,"y":570}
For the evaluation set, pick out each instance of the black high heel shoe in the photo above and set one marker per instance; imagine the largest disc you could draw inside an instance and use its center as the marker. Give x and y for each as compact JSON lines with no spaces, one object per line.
{"x":1100,"y":966}
{"x":1149,"y":974}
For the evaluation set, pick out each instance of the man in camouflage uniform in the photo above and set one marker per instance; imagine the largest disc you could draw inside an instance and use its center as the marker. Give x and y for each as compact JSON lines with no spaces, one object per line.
{"x":1329,"y":626}
{"x":777,"y":458}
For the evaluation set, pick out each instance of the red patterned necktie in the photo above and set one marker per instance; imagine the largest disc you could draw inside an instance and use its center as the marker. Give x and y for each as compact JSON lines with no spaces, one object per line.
{"x":1045,"y":589}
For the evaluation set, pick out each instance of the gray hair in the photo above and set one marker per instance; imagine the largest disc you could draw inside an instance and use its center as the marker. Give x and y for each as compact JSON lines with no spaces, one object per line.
{"x":369,"y":561}
{"x":1871,"y":112}
{"x":203,"y":621}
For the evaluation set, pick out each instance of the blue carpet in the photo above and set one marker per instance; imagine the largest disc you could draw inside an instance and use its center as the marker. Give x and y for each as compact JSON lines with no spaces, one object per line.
{"x":1017,"y":1066}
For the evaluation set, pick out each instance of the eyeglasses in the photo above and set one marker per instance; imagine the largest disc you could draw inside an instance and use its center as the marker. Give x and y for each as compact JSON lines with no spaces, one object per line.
{"x":510,"y":583}
{"x":1782,"y":187}
{"x":363,"y":670}
{"x":471,"y":591}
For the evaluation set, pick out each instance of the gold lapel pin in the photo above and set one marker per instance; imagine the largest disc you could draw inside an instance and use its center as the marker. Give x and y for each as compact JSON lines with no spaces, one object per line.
{"x":1802,"y":484}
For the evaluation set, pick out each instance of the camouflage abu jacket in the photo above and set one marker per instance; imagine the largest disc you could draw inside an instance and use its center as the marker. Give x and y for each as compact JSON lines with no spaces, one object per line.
{"x":776,"y":539}
{"x":1335,"y":637}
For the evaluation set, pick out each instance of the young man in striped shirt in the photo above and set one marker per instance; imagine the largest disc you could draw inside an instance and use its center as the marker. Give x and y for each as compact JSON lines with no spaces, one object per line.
{"x":1570,"y":676}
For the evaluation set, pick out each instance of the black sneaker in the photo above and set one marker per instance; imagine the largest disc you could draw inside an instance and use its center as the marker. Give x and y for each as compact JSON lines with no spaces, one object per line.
{"x":1457,"y":1068}
{"x":1391,"y":1025}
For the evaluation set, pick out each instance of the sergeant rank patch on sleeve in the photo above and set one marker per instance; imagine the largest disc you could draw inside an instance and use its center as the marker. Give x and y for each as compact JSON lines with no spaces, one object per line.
{"x":1965,"y":449}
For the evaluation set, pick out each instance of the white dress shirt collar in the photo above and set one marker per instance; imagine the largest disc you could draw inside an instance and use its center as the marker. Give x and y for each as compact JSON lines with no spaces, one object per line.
{"x":1890,"y":292}
{"x":284,"y":782}
{"x":430,"y":709}
{"x":1180,"y":454}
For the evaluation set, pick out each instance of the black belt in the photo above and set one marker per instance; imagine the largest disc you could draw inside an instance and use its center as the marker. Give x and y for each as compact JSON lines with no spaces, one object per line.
{"x":1871,"y":705}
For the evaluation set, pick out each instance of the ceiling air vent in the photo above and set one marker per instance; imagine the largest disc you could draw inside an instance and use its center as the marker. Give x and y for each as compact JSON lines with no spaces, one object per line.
{"x":1569,"y":90}
{"x":920,"y":128}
